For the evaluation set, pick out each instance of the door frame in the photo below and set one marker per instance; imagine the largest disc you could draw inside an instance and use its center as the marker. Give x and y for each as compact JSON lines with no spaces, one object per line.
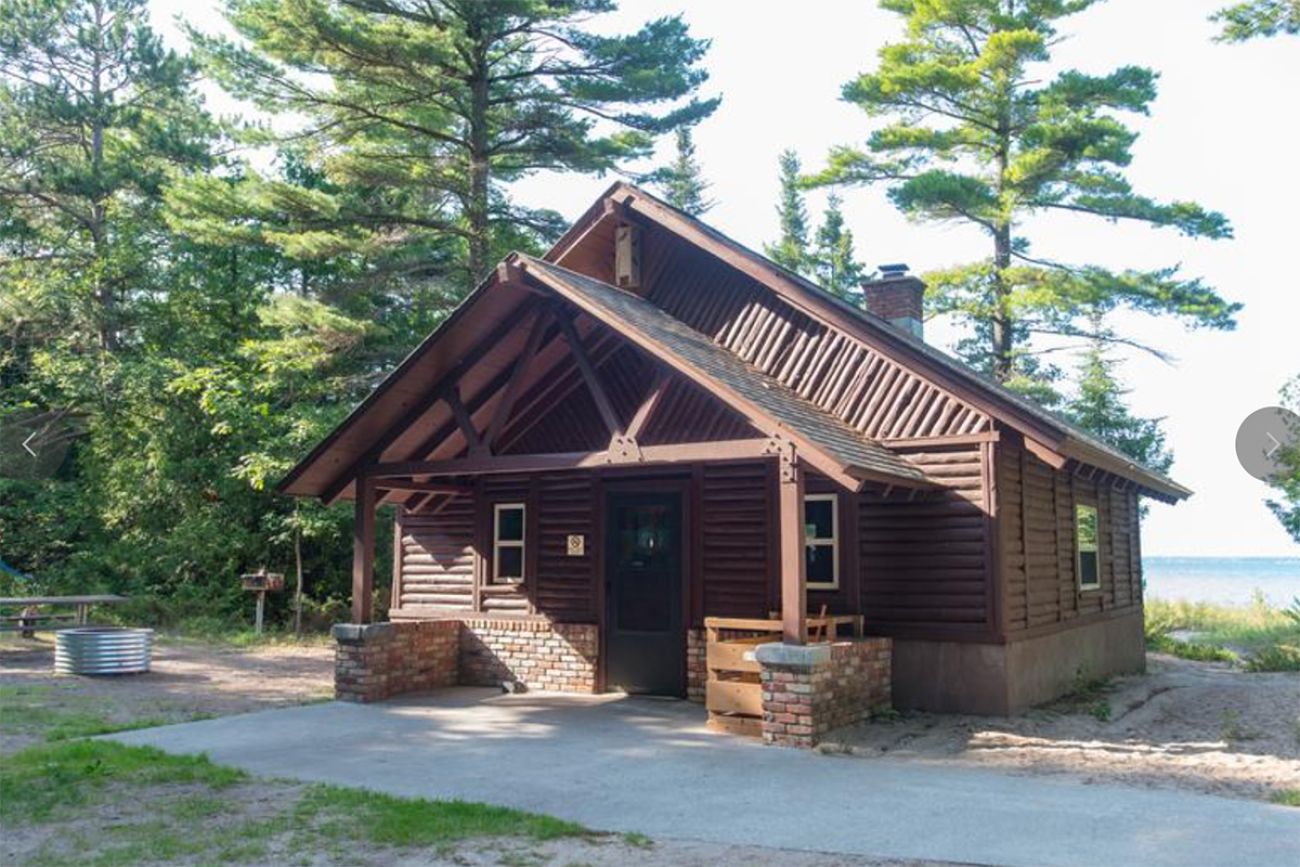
{"x":617,"y":486}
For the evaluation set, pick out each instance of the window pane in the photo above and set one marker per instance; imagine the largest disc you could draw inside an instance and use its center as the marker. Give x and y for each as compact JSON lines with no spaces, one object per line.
{"x":510,"y":524}
{"x":1086,"y":526}
{"x":510,"y":562}
{"x":646,"y":537}
{"x":821,"y":564}
{"x":819,"y":519}
{"x":1088,"y":568}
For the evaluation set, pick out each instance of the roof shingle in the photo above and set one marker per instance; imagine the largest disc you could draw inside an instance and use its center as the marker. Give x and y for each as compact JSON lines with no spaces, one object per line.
{"x":623,"y":310}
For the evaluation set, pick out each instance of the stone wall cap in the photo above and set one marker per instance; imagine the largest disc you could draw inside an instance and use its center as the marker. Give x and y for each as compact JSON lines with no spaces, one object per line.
{"x":356,"y":633}
{"x":792,"y":655}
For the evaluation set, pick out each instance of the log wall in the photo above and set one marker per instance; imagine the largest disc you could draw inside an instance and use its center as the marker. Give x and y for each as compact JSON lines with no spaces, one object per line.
{"x":924,"y":562}
{"x":434,"y":563}
{"x":736,"y":562}
{"x":834,"y":370}
{"x":1037,"y":545}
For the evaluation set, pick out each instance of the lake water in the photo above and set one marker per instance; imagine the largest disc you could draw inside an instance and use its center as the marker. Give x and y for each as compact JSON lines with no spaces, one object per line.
{"x":1231,"y":580}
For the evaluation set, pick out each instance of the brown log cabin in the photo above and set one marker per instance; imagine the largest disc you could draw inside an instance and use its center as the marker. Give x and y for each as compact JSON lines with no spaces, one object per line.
{"x":653,"y":432}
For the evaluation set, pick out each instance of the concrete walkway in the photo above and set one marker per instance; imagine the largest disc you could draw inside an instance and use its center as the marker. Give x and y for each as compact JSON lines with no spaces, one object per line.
{"x":621,"y":764}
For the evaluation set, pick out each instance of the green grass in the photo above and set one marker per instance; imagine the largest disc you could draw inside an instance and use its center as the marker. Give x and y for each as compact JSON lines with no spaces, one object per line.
{"x":45,"y":781}
{"x":57,"y":713}
{"x":205,"y":631}
{"x":1287,"y":797}
{"x":637,"y":840}
{"x":1262,"y":637}
{"x":1198,"y":650}
{"x":390,"y":821}
{"x":1090,"y":695}
{"x":1279,"y":657}
{"x":208,"y":822}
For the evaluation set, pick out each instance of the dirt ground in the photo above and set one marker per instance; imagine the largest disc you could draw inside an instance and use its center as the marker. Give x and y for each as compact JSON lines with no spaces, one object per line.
{"x":189,"y":680}
{"x":250,"y":808}
{"x":1201,"y":726}
{"x":192,"y":680}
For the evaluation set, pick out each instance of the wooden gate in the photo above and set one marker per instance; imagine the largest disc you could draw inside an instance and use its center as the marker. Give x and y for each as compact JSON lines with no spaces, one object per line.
{"x":733,"y":692}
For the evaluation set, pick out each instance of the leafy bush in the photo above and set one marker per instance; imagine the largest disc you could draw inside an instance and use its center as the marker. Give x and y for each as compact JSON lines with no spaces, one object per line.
{"x":1292,"y":612}
{"x":1191,"y":649}
{"x":1266,"y":637}
{"x":1276,"y":657}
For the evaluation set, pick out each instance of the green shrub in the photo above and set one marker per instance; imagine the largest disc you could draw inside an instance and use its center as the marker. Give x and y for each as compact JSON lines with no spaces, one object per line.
{"x":1196,"y":650}
{"x":1287,"y":797}
{"x":1100,"y":710}
{"x":1275,"y":657}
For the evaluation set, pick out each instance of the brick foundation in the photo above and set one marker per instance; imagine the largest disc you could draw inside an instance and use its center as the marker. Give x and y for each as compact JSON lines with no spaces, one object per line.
{"x":380,"y":660}
{"x":811,"y":689}
{"x":540,"y":655}
{"x":377,"y":661}
{"x":697,"y":672}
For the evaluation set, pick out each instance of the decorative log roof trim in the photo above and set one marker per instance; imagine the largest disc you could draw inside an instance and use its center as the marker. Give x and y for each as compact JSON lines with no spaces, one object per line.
{"x":827,"y":443}
{"x":1055,"y":435}
{"x":376,"y":396}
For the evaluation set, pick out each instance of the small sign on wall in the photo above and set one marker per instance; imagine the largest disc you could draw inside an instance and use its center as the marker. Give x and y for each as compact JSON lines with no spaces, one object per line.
{"x":577,"y":545}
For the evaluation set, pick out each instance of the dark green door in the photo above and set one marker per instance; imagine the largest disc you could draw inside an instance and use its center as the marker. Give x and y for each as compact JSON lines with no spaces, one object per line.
{"x":644,"y":642}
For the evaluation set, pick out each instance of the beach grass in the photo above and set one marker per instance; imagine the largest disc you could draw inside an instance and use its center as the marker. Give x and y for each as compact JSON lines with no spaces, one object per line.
{"x":1262,"y":637}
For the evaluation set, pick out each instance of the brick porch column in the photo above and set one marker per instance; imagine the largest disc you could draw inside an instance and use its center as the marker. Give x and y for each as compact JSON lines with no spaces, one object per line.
{"x":375,"y":661}
{"x":810,"y":689}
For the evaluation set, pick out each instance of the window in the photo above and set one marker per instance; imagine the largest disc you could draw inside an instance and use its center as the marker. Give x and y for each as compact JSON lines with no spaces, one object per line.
{"x":820,"y":523}
{"x":508,"y":543}
{"x":1085,"y":545}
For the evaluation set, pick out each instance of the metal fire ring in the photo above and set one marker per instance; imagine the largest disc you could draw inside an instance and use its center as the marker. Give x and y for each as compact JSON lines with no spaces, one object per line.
{"x":103,"y":650}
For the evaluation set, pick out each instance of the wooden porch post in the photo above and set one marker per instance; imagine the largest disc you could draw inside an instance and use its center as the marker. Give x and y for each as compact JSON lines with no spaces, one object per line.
{"x":794,"y":566}
{"x":363,"y":551}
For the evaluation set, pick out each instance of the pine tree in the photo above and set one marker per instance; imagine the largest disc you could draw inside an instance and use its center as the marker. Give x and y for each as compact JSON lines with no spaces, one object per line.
{"x":1099,"y":407}
{"x":835,"y":265}
{"x":682,"y":180}
{"x":977,"y":135}
{"x":791,"y":249}
{"x":1258,"y":19}
{"x":421,"y":113}
{"x":1286,"y":505}
{"x":95,"y":114}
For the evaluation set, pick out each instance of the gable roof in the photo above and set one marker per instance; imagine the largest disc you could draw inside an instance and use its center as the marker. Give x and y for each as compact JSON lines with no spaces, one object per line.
{"x":478,"y":330}
{"x":403,"y":411}
{"x":1039,"y":425}
{"x":730,"y":378}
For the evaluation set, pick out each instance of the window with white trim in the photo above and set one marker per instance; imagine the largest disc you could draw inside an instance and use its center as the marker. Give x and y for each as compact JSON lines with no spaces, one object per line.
{"x":508,"y":543}
{"x":821,"y":548}
{"x":1087,"y":563}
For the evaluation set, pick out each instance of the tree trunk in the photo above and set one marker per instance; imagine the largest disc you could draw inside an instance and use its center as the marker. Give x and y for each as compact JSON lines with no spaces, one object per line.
{"x":103,"y":289}
{"x":297,"y":595}
{"x":1001,"y":332}
{"x":476,"y":209}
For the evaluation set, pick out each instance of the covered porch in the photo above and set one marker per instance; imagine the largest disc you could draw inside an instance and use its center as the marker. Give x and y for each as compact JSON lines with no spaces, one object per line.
{"x":582,"y":486}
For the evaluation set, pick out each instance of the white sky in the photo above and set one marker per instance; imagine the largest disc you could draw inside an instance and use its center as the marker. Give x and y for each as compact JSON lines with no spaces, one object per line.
{"x":1223,"y":132}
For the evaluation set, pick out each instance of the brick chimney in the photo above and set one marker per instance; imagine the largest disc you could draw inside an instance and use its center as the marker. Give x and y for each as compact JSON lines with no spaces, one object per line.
{"x":896,"y":296}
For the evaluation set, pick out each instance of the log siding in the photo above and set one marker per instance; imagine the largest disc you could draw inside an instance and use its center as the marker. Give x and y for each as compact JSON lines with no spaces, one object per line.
{"x":1037,"y":541}
{"x":830,"y":368}
{"x":924,"y":560}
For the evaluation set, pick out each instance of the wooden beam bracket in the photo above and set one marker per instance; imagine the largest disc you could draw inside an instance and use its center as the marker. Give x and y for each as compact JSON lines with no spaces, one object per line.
{"x":473,"y":441}
{"x":624,"y":449}
{"x":518,"y":374}
{"x":594,"y":385}
{"x":785,"y":455}
{"x":1045,"y":453}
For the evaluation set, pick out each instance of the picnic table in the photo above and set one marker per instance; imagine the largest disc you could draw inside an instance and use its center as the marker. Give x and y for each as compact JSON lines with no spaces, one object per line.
{"x":28,"y":621}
